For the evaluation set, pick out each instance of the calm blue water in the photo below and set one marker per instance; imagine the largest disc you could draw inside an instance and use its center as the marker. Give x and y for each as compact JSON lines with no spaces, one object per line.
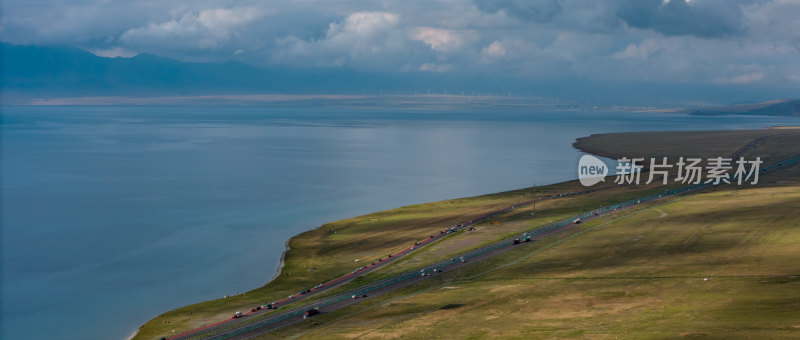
{"x":112,"y":215}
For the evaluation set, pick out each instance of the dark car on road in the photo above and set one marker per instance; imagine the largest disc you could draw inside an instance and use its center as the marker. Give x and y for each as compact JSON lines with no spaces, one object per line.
{"x":311,"y":312}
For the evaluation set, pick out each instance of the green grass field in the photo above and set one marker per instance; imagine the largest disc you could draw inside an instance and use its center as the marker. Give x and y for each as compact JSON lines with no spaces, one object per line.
{"x":637,"y":273}
{"x":641,"y":274}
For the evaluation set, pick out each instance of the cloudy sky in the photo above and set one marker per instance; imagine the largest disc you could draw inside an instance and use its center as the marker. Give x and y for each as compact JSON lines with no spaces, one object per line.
{"x":699,"y":41}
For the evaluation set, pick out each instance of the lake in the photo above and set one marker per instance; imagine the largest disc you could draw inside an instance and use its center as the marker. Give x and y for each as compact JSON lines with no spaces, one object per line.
{"x":112,"y":215}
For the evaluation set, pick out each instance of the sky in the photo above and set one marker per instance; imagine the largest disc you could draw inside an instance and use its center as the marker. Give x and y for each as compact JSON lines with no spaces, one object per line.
{"x":723,"y":42}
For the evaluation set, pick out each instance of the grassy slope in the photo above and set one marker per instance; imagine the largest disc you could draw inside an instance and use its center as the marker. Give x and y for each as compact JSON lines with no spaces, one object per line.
{"x":370,"y":236}
{"x":636,"y":274}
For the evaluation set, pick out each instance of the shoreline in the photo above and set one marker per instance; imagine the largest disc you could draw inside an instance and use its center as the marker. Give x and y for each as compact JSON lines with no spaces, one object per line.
{"x":133,"y":335}
{"x":282,"y":261}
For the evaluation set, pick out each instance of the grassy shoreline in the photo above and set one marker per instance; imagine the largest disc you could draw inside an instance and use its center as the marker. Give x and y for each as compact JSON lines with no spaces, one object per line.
{"x":354,"y":237}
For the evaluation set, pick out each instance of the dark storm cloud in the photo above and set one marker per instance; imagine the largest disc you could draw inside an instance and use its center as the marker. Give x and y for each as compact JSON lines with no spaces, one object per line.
{"x":707,"y":19}
{"x":701,"y":18}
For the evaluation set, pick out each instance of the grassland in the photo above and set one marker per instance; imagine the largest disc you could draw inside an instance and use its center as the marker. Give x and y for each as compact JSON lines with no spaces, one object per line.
{"x":688,"y":267}
{"x":638,"y":273}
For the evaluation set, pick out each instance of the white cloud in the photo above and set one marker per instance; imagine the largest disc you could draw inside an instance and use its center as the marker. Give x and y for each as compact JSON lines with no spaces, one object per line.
{"x":364,"y":24}
{"x":495,"y":49}
{"x":363,"y":38}
{"x":510,"y":49}
{"x":206,"y":29}
{"x":361,"y":33}
{"x":114,"y":52}
{"x":641,"y":51}
{"x":439,"y":39}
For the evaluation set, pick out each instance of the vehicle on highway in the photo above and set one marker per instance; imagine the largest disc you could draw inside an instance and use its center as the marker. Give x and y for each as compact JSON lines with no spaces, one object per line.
{"x":311,"y":312}
{"x":236,"y":315}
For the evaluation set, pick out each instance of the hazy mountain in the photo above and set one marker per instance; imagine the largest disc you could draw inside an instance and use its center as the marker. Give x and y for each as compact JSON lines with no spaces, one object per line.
{"x":70,"y":71}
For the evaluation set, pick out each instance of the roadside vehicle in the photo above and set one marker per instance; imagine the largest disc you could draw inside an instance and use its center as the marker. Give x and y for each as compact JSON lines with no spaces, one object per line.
{"x":311,"y":312}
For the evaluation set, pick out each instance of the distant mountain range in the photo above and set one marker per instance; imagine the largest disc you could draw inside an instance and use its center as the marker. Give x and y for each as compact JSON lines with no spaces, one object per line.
{"x":785,"y":107}
{"x":52,"y":71}
{"x":67,"y":71}
{"x":30,"y":72}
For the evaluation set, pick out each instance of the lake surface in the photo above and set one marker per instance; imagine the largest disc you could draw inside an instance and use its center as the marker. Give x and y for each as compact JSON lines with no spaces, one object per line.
{"x":112,"y":215}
